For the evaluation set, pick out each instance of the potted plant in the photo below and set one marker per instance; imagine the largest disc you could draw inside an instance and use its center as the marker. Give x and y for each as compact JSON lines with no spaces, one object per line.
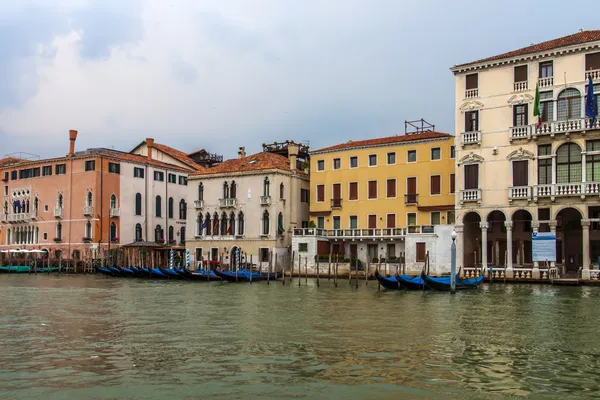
{"x":161,"y":241}
{"x":57,"y":240}
{"x":86,"y":239}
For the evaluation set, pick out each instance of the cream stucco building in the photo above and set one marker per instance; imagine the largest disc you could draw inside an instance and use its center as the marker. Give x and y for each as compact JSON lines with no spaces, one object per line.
{"x":516,"y":177}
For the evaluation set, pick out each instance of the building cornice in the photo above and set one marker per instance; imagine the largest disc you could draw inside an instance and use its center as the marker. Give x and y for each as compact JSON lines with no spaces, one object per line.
{"x":261,"y":172}
{"x":374,"y":146}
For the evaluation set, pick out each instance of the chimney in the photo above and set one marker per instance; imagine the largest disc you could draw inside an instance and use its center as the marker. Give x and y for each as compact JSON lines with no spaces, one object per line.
{"x":149,"y":146}
{"x":293,"y":150}
{"x":72,"y":139}
{"x":242,"y":152}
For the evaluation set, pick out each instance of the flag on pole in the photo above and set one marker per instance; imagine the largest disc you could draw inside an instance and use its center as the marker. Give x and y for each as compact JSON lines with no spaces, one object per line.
{"x":591,"y":103}
{"x":229,"y":230}
{"x":536,"y":106}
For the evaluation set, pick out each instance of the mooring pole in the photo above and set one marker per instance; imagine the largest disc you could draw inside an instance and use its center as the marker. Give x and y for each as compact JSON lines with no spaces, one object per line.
{"x":453,"y":263}
{"x":317,"y":258}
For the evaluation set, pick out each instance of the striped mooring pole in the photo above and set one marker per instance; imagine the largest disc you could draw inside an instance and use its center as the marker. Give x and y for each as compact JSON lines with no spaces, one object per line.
{"x":171,"y":258}
{"x":187,"y":258}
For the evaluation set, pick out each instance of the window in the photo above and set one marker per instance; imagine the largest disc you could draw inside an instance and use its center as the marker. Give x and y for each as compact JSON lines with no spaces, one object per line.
{"x":241,"y":224}
{"x":113,"y":201}
{"x":88,"y":230}
{"x":29,"y":173}
{"x":354,"y":162}
{"x":264,"y":254}
{"x":353,"y":222}
{"x":450,"y":217}
{"x":569,"y":104}
{"x":320,"y":165}
{"x":231,"y":230}
{"x":391,"y":250}
{"x":452,"y":151}
{"x":170,"y":235}
{"x":435,"y":218}
{"x":471,"y":121}
{"x":59,"y":201}
{"x":521,"y":73}
{"x":411,"y":219}
{"x":337,"y":222}
{"x":320,"y":193}
{"x":337,"y":163}
{"x":321,"y":222}
{"x":281,"y":191}
{"x":159,"y":176}
{"x":372,"y":160}
{"x":304,"y":196}
{"x":6,"y":174}
{"x":265,"y":223}
{"x":172,"y":178}
{"x":182,"y":209}
{"x":47,"y":170}
{"x":182,"y":180}
{"x":435,"y":186}
{"x":13,"y":175}
{"x":90,"y":165}
{"x":170,"y":207}
{"x":436,"y":153}
{"x":544,"y":164}
{"x":391,"y":158}
{"x":138,"y":204}
{"x":266,"y":187}
{"x":60,"y":169}
{"x":199,"y":224}
{"x":391,"y":221}
{"x":391,"y":188}
{"x":452,"y":183}
{"x":182,"y":235}
{"x":568,"y":163}
{"x":547,"y":106}
{"x":45,"y":236}
{"x":138,"y":172}
{"x":200,"y":191}
{"x":158,"y":204}
{"x":302,"y":247}
{"x":89,"y":199}
{"x":158,"y":234}
{"x":520,"y":173}
{"x":114,"y":168}
{"x":113,"y":231}
{"x":353,"y":191}
{"x":520,"y":115}
{"x":546,"y":69}
{"x":592,"y":61}
{"x":472,"y":82}
{"x":592,"y":165}
{"x":411,"y":190}
{"x":6,"y":191}
{"x":411,"y":156}
{"x":421,"y":252}
{"x":59,"y":231}
{"x":372,"y":189}
{"x":372,"y":221}
{"x":472,"y":176}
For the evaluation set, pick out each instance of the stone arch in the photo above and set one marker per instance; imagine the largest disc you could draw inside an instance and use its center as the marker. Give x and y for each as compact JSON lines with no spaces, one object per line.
{"x":575,"y":207}
{"x":471,"y":239}
{"x":569,"y":239}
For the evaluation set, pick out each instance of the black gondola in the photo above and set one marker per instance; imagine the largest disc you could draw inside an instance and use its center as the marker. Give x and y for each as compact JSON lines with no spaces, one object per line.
{"x":390,"y":283}
{"x":444,"y":283}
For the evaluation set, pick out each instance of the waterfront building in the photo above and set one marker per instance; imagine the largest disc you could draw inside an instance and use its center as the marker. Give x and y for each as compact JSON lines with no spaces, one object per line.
{"x":94,"y":199}
{"x":519,"y":173}
{"x":249,"y":206}
{"x":382,"y":198}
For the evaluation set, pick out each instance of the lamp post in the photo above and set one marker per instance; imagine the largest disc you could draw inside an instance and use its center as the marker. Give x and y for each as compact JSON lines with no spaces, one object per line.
{"x":453,"y":263}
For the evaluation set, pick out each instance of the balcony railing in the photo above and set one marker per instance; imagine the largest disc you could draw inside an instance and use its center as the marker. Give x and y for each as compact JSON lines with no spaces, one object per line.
{"x":373,"y":233}
{"x":520,"y":132}
{"x":18,"y":217}
{"x":265,"y":200}
{"x":58,"y":212}
{"x":568,"y":126}
{"x":520,"y":86}
{"x":594,"y":73}
{"x":567,"y":190}
{"x":34,"y":214}
{"x":411,"y":198}
{"x":227,"y":203}
{"x":470,"y":138}
{"x":471,"y":93}
{"x":336,"y":203}
{"x":546,"y":82}
{"x":199,"y":203}
{"x":519,"y":193}
{"x":115,"y":212}
{"x":3,"y":217}
{"x":88,"y":211}
{"x":468,"y":195}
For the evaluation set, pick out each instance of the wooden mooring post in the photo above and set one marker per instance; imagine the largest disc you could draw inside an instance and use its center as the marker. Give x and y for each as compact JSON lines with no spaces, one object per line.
{"x":317,"y":258}
{"x":335,"y":277}
{"x":299,"y":270}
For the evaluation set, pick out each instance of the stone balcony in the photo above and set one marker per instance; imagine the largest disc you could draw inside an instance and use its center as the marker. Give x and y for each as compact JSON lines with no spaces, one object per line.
{"x":228,"y":203}
{"x":579,"y":125}
{"x":18,"y":218}
{"x":360,"y":234}
{"x":520,"y":86}
{"x":594,"y":73}
{"x":470,"y":195}
{"x":546,"y":82}
{"x":88,"y":211}
{"x":467,"y":138}
{"x":115,"y":212}
{"x":58,"y":212}
{"x":579,"y":189}
{"x":471,"y":93}
{"x":519,"y":193}
{"x":265,"y":200}
{"x":198,"y":204}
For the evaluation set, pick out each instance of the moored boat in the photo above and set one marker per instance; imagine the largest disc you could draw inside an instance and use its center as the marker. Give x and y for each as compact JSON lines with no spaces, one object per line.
{"x":388,"y":282}
{"x":245,"y":276}
{"x":411,"y":282}
{"x":444,"y":284}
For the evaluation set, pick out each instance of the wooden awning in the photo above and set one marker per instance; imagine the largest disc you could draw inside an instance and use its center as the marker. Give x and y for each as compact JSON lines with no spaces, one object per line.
{"x":448,"y":207}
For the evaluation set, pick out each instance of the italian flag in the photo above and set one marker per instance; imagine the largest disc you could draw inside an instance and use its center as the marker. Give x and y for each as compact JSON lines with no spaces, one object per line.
{"x":536,"y":106}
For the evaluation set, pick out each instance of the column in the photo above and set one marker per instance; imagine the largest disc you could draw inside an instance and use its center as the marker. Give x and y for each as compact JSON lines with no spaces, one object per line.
{"x":460,"y":249}
{"x":509,"y":249}
{"x":553,"y":169}
{"x":552,"y":225}
{"x":484,"y":229}
{"x":585,"y":230}
{"x":535,"y":274}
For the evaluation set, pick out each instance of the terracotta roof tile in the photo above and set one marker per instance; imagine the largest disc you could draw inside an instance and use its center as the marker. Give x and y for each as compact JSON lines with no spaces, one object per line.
{"x":255,"y":162}
{"x":9,"y":161}
{"x":179,"y":155}
{"x":385,"y":140}
{"x":570,"y":40}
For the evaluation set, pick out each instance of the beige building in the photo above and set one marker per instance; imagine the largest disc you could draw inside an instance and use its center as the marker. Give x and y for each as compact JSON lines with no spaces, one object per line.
{"x":249,"y":206}
{"x":516,"y":176}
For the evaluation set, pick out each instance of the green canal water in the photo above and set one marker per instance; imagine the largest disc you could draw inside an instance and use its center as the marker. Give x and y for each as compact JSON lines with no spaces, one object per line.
{"x":80,"y":337}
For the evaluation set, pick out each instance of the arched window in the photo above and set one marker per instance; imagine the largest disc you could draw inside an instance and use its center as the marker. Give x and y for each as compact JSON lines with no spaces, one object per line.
{"x":59,"y":201}
{"x":170,"y":208}
{"x":182,"y":235}
{"x":36,"y":204}
{"x":27,"y":206}
{"x":158,"y":206}
{"x":208,"y":225}
{"x":569,"y":104}
{"x":266,"y":188}
{"x":241,"y":224}
{"x":199,"y":227}
{"x":225,"y":190}
{"x":171,"y":238}
{"x":113,"y":231}
{"x":59,"y":231}
{"x":280,"y":228}
{"x":233,"y":190}
{"x":158,"y":234}
{"x":88,"y":229}
{"x":265,"y":223}
{"x":6,"y":206}
{"x":200,"y":191}
{"x":138,"y":204}
{"x":113,"y":201}
{"x":182,"y":209}
{"x":231,"y":230}
{"x":215,"y":228}
{"x":223,"y":224}
{"x":281,"y":191}
{"x":138,"y":233}
{"x":89,"y":198}
{"x":568,"y":163}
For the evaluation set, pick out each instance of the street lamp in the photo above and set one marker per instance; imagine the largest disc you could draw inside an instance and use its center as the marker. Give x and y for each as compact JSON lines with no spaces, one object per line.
{"x":453,"y":262}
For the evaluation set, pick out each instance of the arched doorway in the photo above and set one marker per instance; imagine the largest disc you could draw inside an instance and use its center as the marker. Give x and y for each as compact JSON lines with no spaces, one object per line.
{"x":472,"y":239}
{"x":569,"y":246}
{"x":496,"y":238}
{"x":521,"y":238}
{"x":235,"y":257}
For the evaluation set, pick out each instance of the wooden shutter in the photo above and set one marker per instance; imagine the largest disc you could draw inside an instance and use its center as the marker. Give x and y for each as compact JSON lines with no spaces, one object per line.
{"x":372,"y":221}
{"x":521,"y":73}
{"x":391,"y":220}
{"x":320,"y":192}
{"x":520,"y":177}
{"x":411,"y":185}
{"x":592,"y":61}
{"x":472,"y":176}
{"x":436,"y":184}
{"x":452,"y":183}
{"x":337,"y":191}
{"x":391,"y":188}
{"x":472,"y":81}
{"x":421,"y":251}
{"x":353,"y":191}
{"x":372,"y":189}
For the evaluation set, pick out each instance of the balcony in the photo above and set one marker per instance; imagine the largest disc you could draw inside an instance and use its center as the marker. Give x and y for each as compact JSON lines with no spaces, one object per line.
{"x":520,"y":132}
{"x":411,"y":198}
{"x":470,"y":195}
{"x":353,"y":234}
{"x":3,"y":218}
{"x":546,"y":82}
{"x":17,"y":218}
{"x":88,"y":211}
{"x":227,"y":203}
{"x":471,"y":93}
{"x":58,"y":212}
{"x":34,"y":215}
{"x":336,"y":204}
{"x":198,"y":204}
{"x":566,"y":190}
{"x":566,"y":127}
{"x":520,"y":86}
{"x":265,"y":200}
{"x":519,"y":193}
{"x":115,"y":212}
{"x":470,"y":138}
{"x":594,"y":73}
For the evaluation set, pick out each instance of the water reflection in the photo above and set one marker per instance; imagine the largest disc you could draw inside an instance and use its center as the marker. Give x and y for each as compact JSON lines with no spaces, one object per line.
{"x":88,"y":336}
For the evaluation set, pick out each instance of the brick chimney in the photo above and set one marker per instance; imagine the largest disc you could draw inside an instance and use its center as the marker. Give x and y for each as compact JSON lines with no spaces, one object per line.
{"x":149,"y":146}
{"x":72,"y":139}
{"x":242,"y":152}
{"x":293,"y":150}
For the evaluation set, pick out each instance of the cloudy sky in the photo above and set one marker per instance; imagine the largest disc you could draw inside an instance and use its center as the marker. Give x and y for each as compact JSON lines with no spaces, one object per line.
{"x":218,"y":74}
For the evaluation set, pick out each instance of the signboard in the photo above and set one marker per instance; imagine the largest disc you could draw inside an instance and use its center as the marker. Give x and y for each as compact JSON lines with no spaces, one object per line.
{"x":543,"y":246}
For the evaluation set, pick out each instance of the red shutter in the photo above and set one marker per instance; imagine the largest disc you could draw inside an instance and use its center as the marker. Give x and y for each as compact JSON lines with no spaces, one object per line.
{"x":520,"y":176}
{"x":421,"y":252}
{"x":372,"y":221}
{"x":337,"y":191}
{"x":472,"y":81}
{"x":521,"y":73}
{"x":592,"y":61}
{"x":452,"y":183}
{"x":320,"y":192}
{"x":391,"y":220}
{"x":435,"y":184}
{"x":353,"y":191}
{"x":372,"y":189}
{"x":472,"y":176}
{"x":391,"y":188}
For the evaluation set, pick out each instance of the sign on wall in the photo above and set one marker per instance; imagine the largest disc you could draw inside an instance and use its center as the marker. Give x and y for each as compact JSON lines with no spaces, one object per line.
{"x":543,"y":246}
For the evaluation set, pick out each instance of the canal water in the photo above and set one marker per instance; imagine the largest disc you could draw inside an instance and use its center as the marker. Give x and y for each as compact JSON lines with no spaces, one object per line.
{"x":79,"y":337}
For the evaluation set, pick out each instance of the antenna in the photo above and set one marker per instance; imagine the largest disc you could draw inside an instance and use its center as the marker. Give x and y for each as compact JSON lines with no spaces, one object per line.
{"x":417,"y":126}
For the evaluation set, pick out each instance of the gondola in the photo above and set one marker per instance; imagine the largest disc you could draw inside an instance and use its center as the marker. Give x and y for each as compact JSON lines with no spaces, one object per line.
{"x":444,"y":282}
{"x":244,"y":276}
{"x":410,"y":282}
{"x":116,"y":271}
{"x":15,"y":269}
{"x":171,"y":273}
{"x":390,"y":283}
{"x":200,"y":275}
{"x":105,"y":271}
{"x":126,"y":271}
{"x":158,"y":274}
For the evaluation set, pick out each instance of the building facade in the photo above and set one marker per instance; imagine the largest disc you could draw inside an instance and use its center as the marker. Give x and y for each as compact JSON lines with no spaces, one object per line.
{"x":245,"y":209}
{"x":517,"y":173}
{"x":382,"y":198}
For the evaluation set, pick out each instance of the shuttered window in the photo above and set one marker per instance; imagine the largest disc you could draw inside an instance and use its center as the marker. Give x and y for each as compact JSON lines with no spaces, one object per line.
{"x":372,"y":221}
{"x":471,"y":121}
{"x":372,"y":189}
{"x":472,"y":176}
{"x":391,"y":188}
{"x":521,"y":73}
{"x":320,"y":192}
{"x":436,"y":184}
{"x":452,"y":183}
{"x":472,"y":81}
{"x":391,"y":220}
{"x":592,"y":61}
{"x":353,"y":191}
{"x":421,"y":251}
{"x":520,"y":175}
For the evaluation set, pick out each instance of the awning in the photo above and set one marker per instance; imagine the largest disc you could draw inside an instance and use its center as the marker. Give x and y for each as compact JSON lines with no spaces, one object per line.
{"x":448,"y":207}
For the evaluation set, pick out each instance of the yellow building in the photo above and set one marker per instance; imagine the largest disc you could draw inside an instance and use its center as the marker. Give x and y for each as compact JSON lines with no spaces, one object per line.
{"x":367,"y":195}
